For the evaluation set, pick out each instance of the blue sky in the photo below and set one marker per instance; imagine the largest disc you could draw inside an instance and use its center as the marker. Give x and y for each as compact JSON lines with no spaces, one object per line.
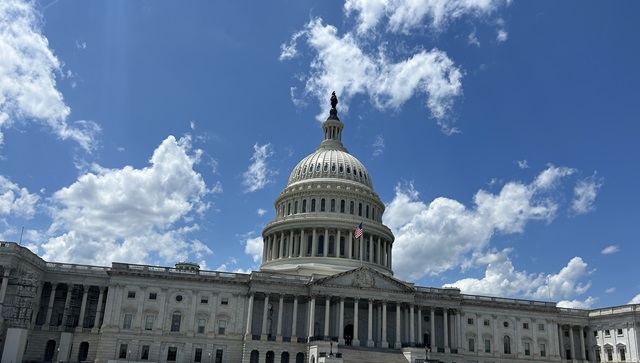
{"x":501,"y":136}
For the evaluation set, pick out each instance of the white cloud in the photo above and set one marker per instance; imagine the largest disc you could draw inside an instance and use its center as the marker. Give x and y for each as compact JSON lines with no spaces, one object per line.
{"x":610,"y":290}
{"x":27,"y":77}
{"x":131,"y":215}
{"x":261,"y":212}
{"x":258,"y":174}
{"x":502,"y":36}
{"x":81,"y":45}
{"x":523,"y":164}
{"x":473,"y":39}
{"x":502,"y":279}
{"x":342,"y":64}
{"x":578,"y":304}
{"x":378,"y":146}
{"x":406,"y":15}
{"x":192,"y":125}
{"x":609,"y":250}
{"x":434,"y":237}
{"x":253,"y":248}
{"x":635,"y":300}
{"x":585,"y":194}
{"x":15,"y":200}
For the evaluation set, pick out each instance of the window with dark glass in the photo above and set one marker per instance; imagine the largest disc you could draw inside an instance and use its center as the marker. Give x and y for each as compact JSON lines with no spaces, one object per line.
{"x":197,"y":357}
{"x":204,"y":300}
{"x":295,"y":207}
{"x":333,"y":205}
{"x":472,"y":346}
{"x":322,"y":205}
{"x":123,"y":351}
{"x":176,"y":319}
{"x":304,"y":206}
{"x":131,"y":294}
{"x":313,"y":205}
{"x":218,"y":355}
{"x":126,"y":324}
{"x":351,"y":205}
{"x":201,"y":325}
{"x":153,"y":295}
{"x":543,"y":350}
{"x":507,"y":345}
{"x":222,"y":326}
{"x":332,"y":246}
{"x":342,"y":206}
{"x":172,"y":354}
{"x":148,"y":322}
{"x":487,"y":346}
{"x":320,"y":251}
{"x":144,"y":352}
{"x":360,"y":209}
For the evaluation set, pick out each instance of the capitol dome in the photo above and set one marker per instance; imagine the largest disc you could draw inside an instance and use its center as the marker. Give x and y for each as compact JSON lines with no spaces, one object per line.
{"x":329,"y":194}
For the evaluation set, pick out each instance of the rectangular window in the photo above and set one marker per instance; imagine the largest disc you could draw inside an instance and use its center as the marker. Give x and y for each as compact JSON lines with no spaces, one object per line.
{"x":487,"y":345}
{"x":543,"y":350}
{"x":527,"y":348}
{"x":198,"y":356}
{"x":607,"y":333}
{"x":175,"y":322}
{"x":486,"y":322}
{"x":153,"y":295}
{"x":201,"y":325}
{"x":222,"y":326}
{"x":525,"y":326}
{"x":144,"y":354}
{"x":127,"y":321}
{"x":123,"y":351}
{"x":218,"y":355}
{"x":620,"y":332}
{"x":598,"y":358}
{"x":609,"y":354}
{"x":472,"y":345}
{"x":623,"y":356}
{"x":541,"y":327}
{"x":470,"y":321}
{"x":224,"y":301}
{"x":566,"y":333}
{"x":204,"y":300}
{"x":595,"y":333}
{"x":148,"y":322}
{"x":131,"y":294}
{"x":172,"y":353}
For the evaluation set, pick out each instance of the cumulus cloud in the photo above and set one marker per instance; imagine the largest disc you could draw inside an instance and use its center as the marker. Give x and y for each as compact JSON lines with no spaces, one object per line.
{"x":261,"y":212}
{"x":28,"y":71}
{"x":432,"y":238}
{"x":131,"y":215}
{"x":253,"y":248}
{"x":502,"y":36}
{"x":406,"y":15}
{"x":258,"y":174}
{"x":635,"y":300}
{"x":15,"y":200}
{"x":609,"y":250}
{"x":523,"y":164}
{"x":585,"y":193}
{"x":502,"y":279}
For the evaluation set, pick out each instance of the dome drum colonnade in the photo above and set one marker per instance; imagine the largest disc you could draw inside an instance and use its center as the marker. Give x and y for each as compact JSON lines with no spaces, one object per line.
{"x":328,"y":194}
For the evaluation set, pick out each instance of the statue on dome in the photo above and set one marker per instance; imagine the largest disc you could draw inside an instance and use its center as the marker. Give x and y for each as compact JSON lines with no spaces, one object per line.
{"x":334,"y":99}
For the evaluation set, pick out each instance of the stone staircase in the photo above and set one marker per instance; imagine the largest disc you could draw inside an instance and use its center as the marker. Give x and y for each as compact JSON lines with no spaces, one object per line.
{"x":351,"y":354}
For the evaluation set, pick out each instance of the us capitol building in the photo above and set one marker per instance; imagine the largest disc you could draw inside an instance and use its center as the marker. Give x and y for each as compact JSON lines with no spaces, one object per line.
{"x":325,"y":292}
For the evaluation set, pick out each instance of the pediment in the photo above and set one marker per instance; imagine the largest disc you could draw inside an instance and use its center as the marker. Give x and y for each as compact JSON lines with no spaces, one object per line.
{"x":364,"y":278}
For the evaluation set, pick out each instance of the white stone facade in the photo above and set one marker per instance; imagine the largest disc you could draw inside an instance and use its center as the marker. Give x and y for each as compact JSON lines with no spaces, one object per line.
{"x":321,"y":295}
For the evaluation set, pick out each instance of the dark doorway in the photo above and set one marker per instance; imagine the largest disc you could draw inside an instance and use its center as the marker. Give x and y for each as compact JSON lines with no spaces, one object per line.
{"x":49,"y":350}
{"x":270,"y":357}
{"x":348,"y":334}
{"x":83,"y":352}
{"x":427,"y":340}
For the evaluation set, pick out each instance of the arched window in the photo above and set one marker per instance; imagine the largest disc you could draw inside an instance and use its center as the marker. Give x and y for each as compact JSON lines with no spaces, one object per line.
{"x":342,"y":206}
{"x":295,"y":207}
{"x":507,"y":345}
{"x":176,"y":319}
{"x":300,"y":357}
{"x":270,"y":357}
{"x":83,"y":352}
{"x":351,"y":205}
{"x":255,"y":357}
{"x":49,"y":350}
{"x":373,"y":213}
{"x":366,"y":211}
{"x":313,"y":205}
{"x":309,"y":245}
{"x":333,"y":205}
{"x":341,"y":246}
{"x":322,"y":205}
{"x":289,"y":208}
{"x":360,"y":209}
{"x":320,"y":251}
{"x":304,"y":206}
{"x":284,"y":358}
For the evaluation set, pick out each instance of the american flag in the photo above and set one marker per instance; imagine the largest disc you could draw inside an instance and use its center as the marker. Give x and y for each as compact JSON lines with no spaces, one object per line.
{"x":358,"y":231}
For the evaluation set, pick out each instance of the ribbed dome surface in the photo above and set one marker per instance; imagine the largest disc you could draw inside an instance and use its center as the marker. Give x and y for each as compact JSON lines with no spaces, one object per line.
{"x":330,"y":164}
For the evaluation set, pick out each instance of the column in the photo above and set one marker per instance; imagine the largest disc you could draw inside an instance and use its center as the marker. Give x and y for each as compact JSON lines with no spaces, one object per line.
{"x":265,"y":243}
{"x":325,"y":247}
{"x":356,"y":341}
{"x":337,"y":246}
{"x":554,"y":333}
{"x":445,"y":314}
{"x":327,"y":313}
{"x":385,"y":343}
{"x":349,"y":246}
{"x":303,"y":244}
{"x":370,"y":325}
{"x":398,"y":343}
{"x":5,"y":282}
{"x":459,"y":343}
{"x":341,"y":322}
{"x":281,"y":246}
{"x":432,"y":335}
{"x":265,"y":315}
{"x":52,"y":297}
{"x":280,"y":310}
{"x":361,"y":247}
{"x":314,"y":243}
{"x":83,"y":307}
{"x":312,"y":312}
{"x":290,"y":245}
{"x":412,"y":329}
{"x":65,"y":313}
{"x":294,"y":320}
{"x":582,"y":346}
{"x":534,"y":335}
{"x":480,"y":344}
{"x":249,"y":316}
{"x":370,"y":259}
{"x":560,"y":334}
{"x":517,"y":344}
{"x":96,"y":322}
{"x":420,"y":336}
{"x":496,"y":338}
{"x":379,"y":252}
{"x":573,"y":345}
